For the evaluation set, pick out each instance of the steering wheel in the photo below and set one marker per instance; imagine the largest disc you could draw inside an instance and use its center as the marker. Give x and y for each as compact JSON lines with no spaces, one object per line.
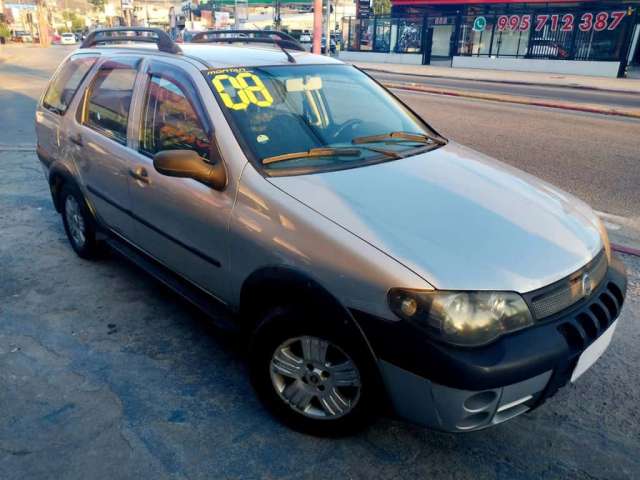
{"x":353,"y":123}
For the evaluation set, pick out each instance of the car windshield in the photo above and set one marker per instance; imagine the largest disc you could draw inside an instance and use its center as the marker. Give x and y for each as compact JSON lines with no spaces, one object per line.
{"x":301,"y":119}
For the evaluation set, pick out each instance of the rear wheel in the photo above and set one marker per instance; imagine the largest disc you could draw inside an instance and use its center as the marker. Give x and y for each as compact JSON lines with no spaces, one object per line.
{"x":78,"y":222}
{"x":311,"y":375}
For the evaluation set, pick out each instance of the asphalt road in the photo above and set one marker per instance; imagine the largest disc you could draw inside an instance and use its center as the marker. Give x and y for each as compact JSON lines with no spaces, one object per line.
{"x":573,"y":95}
{"x":106,"y":375}
{"x":595,"y":157}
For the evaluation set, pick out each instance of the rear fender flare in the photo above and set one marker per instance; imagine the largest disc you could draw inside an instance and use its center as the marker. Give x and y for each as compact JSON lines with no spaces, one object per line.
{"x":60,"y":175}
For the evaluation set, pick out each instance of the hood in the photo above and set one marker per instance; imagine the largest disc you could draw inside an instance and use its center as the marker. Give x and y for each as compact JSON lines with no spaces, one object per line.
{"x":459,"y":219}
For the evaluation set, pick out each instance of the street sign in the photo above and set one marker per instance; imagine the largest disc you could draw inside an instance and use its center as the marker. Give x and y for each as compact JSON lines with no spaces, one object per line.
{"x":479,"y":24}
{"x":365,"y":8}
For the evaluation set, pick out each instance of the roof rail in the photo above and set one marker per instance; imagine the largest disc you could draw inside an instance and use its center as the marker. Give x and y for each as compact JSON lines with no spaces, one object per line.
{"x":273,"y":37}
{"x":131,"y":34}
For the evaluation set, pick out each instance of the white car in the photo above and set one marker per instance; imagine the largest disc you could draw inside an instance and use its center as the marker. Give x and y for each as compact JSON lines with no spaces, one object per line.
{"x":67,"y":39}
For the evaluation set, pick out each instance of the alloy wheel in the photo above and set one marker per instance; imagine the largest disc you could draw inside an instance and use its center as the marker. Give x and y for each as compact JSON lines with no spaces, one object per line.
{"x":315,"y":377}
{"x":75,"y":221}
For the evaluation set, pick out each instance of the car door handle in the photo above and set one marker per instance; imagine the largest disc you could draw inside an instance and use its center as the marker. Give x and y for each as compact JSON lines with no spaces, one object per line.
{"x":76,"y":139}
{"x":140,"y":174}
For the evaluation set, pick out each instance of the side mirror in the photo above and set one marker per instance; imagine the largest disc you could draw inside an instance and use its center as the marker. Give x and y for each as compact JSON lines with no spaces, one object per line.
{"x":188,"y":164}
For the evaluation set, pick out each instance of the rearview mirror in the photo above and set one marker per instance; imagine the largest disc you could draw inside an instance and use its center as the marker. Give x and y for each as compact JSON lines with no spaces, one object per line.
{"x":306,"y":84}
{"x":188,"y":164}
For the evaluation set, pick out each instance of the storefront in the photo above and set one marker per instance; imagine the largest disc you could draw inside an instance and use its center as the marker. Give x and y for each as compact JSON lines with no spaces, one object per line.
{"x":587,"y":37}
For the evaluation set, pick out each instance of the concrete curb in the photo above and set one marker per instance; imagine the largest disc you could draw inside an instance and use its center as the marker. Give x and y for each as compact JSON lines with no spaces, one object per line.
{"x":588,"y":108}
{"x":626,"y":250}
{"x":506,"y":82}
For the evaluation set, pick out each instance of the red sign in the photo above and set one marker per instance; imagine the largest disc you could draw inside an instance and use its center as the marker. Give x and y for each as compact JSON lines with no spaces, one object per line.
{"x":466,"y":2}
{"x":562,"y":22}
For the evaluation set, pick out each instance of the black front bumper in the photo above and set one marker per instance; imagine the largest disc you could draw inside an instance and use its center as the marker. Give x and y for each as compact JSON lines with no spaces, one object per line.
{"x":554,"y":344}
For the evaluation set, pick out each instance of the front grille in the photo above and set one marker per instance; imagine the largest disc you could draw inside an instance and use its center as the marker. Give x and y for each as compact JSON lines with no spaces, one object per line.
{"x":568,"y":291}
{"x":582,"y":330}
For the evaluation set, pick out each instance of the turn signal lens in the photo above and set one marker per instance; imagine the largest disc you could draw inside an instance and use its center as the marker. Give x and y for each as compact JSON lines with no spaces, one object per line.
{"x":409,"y":306}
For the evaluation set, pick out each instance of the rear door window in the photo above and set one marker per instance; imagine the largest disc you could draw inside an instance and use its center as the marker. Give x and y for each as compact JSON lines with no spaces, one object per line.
{"x":109,"y":99}
{"x":63,"y":88}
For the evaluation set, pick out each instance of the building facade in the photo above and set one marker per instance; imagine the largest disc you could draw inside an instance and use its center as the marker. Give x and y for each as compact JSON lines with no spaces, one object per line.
{"x":588,"y":37}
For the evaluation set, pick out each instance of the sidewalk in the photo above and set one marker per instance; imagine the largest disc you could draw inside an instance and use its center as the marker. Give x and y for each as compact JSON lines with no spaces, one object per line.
{"x":624,"y":85}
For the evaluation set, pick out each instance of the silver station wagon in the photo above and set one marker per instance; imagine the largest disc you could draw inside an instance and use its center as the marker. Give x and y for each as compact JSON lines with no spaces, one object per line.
{"x":374,"y":265}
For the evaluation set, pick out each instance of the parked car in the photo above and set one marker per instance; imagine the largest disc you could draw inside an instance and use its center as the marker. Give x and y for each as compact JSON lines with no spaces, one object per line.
{"x":370,"y":261}
{"x":22,"y":37}
{"x":306,"y":40}
{"x":68,"y":39}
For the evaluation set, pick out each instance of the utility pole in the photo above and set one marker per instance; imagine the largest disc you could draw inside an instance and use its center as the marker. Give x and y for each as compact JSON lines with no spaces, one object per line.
{"x":327,"y":21}
{"x":43,"y":23}
{"x":236,"y":20}
{"x":277,"y":21}
{"x":317,"y":26}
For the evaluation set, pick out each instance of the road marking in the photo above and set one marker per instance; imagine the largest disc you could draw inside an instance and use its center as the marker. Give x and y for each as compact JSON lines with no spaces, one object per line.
{"x":517,"y":100}
{"x":17,"y":148}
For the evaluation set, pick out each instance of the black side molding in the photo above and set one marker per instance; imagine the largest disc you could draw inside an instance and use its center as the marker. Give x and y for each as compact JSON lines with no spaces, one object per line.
{"x":189,"y":248}
{"x":221,"y":315}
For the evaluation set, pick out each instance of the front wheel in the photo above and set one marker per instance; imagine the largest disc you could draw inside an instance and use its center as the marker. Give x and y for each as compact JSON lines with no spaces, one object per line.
{"x":311,"y":376}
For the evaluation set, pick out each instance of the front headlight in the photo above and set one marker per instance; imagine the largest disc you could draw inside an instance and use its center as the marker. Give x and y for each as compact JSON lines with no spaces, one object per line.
{"x":462,"y":318}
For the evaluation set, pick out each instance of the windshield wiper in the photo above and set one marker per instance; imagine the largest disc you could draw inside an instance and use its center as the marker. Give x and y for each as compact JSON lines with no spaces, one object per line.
{"x":411,"y":137}
{"x":314,"y":152}
{"x":384,"y":151}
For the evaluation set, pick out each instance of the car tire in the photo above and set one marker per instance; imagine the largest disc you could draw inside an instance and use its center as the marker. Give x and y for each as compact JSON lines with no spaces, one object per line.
{"x":78,"y":222}
{"x":334,"y":394}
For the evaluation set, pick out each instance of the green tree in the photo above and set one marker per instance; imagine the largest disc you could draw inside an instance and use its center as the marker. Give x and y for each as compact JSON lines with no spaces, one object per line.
{"x":97,"y":4}
{"x":381,"y":7}
{"x":4,"y":31}
{"x":77,"y":23}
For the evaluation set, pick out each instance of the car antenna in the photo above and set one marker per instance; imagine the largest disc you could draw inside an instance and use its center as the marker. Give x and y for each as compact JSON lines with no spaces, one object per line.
{"x":289,"y":56}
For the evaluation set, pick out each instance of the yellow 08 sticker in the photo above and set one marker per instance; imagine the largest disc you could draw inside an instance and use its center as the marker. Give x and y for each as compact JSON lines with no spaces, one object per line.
{"x":249,"y":89}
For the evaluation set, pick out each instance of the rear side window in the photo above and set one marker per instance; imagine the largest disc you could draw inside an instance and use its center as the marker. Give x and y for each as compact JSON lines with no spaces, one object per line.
{"x":109,"y":99}
{"x":61,"y":91}
{"x":170,"y":120}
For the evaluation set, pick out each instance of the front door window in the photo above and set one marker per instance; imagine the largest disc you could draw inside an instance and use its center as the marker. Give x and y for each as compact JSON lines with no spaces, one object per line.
{"x":170,"y":121}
